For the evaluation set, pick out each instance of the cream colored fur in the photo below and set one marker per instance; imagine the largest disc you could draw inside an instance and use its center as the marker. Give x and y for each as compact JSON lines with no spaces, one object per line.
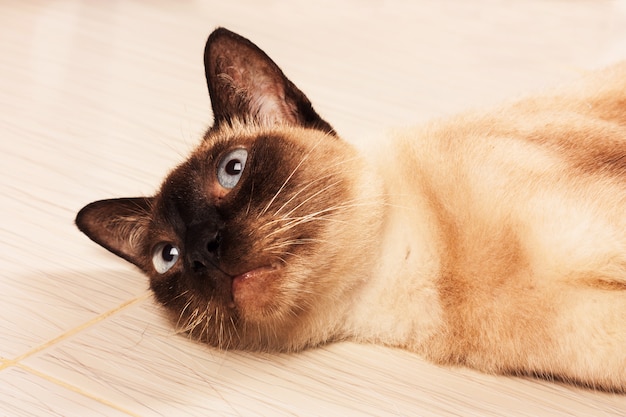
{"x":504,"y":243}
{"x":492,"y":240}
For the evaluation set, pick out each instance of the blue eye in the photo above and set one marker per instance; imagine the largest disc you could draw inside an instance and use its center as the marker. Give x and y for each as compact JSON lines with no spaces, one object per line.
{"x":164,"y":257}
{"x":231,"y":167}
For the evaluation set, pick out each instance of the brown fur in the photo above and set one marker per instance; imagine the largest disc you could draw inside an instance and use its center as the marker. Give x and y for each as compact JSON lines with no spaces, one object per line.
{"x":495,"y":241}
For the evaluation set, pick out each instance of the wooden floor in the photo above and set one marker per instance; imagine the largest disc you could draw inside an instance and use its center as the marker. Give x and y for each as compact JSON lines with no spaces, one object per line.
{"x":100,"y":98}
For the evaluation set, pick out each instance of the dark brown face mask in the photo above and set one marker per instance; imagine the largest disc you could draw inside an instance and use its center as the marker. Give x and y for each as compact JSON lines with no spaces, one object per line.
{"x":230,"y":226}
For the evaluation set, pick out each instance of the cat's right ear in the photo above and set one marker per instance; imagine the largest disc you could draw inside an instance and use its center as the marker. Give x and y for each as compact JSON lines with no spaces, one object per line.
{"x":246,"y":85}
{"x":118,"y":225}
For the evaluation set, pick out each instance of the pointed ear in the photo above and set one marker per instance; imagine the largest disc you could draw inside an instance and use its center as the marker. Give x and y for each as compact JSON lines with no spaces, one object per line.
{"x":118,"y":225}
{"x":244,"y":83}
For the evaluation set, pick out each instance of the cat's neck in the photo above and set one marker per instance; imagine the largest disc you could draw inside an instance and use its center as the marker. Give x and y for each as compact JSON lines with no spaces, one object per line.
{"x":398,"y":305}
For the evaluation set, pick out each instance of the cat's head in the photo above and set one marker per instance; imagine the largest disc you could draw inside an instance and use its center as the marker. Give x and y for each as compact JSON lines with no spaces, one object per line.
{"x":254,"y":240}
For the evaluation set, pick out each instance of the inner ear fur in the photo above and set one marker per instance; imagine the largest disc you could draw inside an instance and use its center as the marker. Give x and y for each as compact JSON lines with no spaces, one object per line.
{"x":245,"y":84}
{"x":119,"y":225}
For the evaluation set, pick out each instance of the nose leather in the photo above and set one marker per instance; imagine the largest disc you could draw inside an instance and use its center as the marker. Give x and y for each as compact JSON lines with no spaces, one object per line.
{"x":202,"y":245}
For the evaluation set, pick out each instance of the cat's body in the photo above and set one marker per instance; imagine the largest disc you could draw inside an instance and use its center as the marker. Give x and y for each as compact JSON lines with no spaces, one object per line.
{"x":496,"y":241}
{"x":515,"y":238}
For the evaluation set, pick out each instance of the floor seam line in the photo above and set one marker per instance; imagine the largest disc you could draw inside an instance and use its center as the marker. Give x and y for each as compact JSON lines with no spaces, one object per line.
{"x":73,"y":388}
{"x":75,"y":330}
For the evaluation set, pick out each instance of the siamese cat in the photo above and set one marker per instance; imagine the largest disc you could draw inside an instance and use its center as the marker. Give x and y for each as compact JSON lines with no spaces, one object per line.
{"x":495,"y":241}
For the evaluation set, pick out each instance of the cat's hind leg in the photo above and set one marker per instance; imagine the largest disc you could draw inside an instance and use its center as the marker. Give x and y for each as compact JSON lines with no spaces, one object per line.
{"x":587,"y":345}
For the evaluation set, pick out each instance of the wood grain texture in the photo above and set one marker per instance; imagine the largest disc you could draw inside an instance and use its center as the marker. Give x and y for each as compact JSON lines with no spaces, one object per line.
{"x":100,"y":99}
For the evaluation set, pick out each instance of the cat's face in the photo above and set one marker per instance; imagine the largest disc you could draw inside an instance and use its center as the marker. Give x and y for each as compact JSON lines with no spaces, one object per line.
{"x":244,"y":234}
{"x":253,"y":240}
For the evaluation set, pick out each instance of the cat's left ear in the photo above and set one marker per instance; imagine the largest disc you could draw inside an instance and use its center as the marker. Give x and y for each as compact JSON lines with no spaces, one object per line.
{"x":118,"y":225}
{"x":245,"y":84}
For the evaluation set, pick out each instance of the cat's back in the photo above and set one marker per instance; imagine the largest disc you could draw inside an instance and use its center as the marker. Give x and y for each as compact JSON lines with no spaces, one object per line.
{"x":540,"y":183}
{"x":524,"y":209}
{"x":570,"y":141}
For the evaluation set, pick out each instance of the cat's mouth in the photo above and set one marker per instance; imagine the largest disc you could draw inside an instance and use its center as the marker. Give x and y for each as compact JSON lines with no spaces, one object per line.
{"x":254,"y":290}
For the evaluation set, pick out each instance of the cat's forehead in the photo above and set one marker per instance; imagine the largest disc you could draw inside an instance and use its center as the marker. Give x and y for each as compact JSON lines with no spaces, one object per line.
{"x":195,"y":181}
{"x":274,"y":155}
{"x":277,"y":143}
{"x":245,"y":130}
{"x":227,"y":137}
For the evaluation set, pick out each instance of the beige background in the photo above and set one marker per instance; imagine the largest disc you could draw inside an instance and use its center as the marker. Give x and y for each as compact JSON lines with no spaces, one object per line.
{"x":100,"y":98}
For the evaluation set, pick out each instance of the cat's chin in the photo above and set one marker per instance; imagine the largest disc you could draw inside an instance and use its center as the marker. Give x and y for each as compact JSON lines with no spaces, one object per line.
{"x":253,"y":293}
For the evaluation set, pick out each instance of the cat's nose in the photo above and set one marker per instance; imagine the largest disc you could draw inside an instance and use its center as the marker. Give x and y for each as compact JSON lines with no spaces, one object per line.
{"x":203,"y":249}
{"x":207,"y":254}
{"x":213,"y":243}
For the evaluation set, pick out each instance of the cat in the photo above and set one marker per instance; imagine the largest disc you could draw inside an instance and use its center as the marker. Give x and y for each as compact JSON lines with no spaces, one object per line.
{"x":495,"y":241}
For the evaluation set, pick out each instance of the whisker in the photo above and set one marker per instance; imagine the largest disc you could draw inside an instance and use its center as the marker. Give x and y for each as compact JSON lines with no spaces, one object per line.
{"x":250,"y":200}
{"x":191,"y":323}
{"x":315,"y":181}
{"x":234,"y":327}
{"x":292,"y":242}
{"x":312,"y":196}
{"x":278,"y":250}
{"x":182,"y":294}
{"x":291,"y":254}
{"x":345,"y":205}
{"x":220,"y":336}
{"x":283,"y":186}
{"x":304,"y":158}
{"x":182,"y":313}
{"x":207,"y":322}
{"x":301,"y":190}
{"x":305,"y":219}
